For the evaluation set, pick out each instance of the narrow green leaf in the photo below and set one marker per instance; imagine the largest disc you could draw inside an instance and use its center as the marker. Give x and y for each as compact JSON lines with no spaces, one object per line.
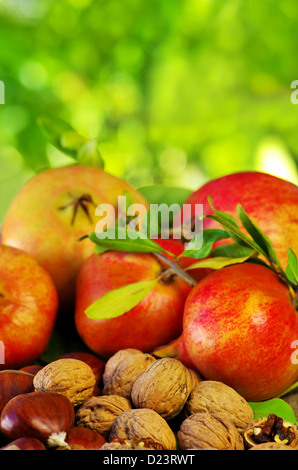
{"x":258,"y":235}
{"x":61,"y":135}
{"x":122,"y":239}
{"x":276,"y":406}
{"x":99,"y":249}
{"x":218,"y":262}
{"x":232,"y":250}
{"x":237,"y":235}
{"x":227,"y":218}
{"x":201,"y":244}
{"x":119,"y":301}
{"x":292,"y":267}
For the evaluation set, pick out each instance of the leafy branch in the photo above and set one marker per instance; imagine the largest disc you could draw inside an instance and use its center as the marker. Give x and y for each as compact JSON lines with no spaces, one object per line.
{"x":253,"y":246}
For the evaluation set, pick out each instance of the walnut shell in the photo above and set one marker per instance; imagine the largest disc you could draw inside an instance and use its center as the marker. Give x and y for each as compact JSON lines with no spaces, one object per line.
{"x":113,"y":362}
{"x":194,"y":378}
{"x":164,"y":387}
{"x":70,"y":377}
{"x":99,"y":413}
{"x":271,"y":429}
{"x":219,"y":398}
{"x":142,"y":424}
{"x":126,"y":373}
{"x":271,"y":446}
{"x":132,"y":444}
{"x":203,"y":430}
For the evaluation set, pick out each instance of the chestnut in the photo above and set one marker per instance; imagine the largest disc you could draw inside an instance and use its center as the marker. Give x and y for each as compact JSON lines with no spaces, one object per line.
{"x":24,"y":443}
{"x":43,"y":415}
{"x":13,"y":383}
{"x":33,"y":369}
{"x":80,"y":438}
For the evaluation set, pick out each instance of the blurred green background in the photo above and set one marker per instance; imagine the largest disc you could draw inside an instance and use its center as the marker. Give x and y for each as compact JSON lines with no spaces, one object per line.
{"x":176,"y":92}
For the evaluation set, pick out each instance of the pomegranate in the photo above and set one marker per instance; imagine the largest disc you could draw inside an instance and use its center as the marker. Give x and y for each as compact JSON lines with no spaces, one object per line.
{"x":268,"y":200}
{"x":28,"y":308}
{"x":239,"y":327}
{"x":155,"y":320}
{"x":53,"y":210}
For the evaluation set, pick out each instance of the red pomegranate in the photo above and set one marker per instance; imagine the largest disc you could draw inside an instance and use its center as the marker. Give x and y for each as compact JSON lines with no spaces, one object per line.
{"x":271,"y":202}
{"x":239,"y":327}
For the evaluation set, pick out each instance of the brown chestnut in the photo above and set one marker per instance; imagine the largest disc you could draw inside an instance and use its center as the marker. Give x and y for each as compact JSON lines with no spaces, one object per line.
{"x":31,"y":369}
{"x":45,"y":416}
{"x":84,"y":439}
{"x":13,"y":383}
{"x":24,"y":443}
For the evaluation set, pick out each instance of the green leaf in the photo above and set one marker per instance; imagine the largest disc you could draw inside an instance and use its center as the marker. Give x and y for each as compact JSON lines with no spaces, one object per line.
{"x":227,"y":218}
{"x":218,"y":262}
{"x":119,"y":301}
{"x":99,"y":249}
{"x":232,"y":250}
{"x":122,"y":239}
{"x":292,"y":267}
{"x":200,"y":246}
{"x":62,"y":136}
{"x":277,"y":406}
{"x":258,"y":236}
{"x":231,"y":226}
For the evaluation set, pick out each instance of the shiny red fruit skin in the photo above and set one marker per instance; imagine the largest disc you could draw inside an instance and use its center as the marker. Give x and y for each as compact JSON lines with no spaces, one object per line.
{"x":37,"y":414}
{"x":270,"y":201}
{"x":13,"y":383}
{"x":154,"y":321}
{"x":28,"y":308}
{"x":40,"y":220}
{"x":32,"y":369}
{"x":24,"y":443}
{"x":239,"y":326}
{"x":85,"y":437}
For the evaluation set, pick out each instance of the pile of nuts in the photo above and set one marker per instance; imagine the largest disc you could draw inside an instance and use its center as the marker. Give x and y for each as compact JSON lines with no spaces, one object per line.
{"x":133,"y":401}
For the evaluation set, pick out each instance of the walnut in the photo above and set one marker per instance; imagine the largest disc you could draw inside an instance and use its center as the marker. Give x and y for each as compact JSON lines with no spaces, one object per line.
{"x":99,"y":413}
{"x":271,"y":429}
{"x":271,"y":446}
{"x":132,"y":444}
{"x":217,"y":397}
{"x":113,"y":362}
{"x":194,"y":378}
{"x":126,"y":373}
{"x":205,"y":430}
{"x":70,"y":377}
{"x":143,"y":423}
{"x":164,"y":387}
